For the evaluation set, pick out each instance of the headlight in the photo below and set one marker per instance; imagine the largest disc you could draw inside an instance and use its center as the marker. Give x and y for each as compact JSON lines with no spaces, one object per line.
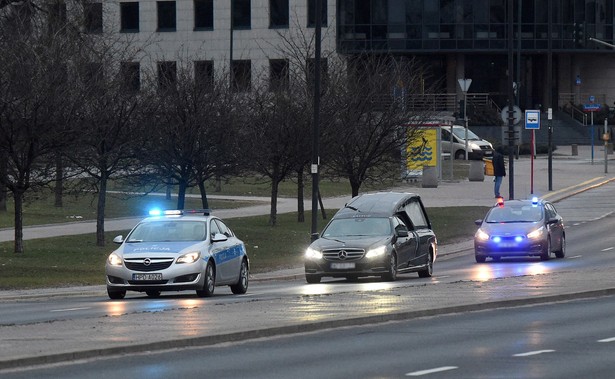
{"x":114,"y":259}
{"x":312,"y":254}
{"x":480,"y":235}
{"x":474,"y":146}
{"x":190,"y":257}
{"x":536,"y":233}
{"x":376,"y":252}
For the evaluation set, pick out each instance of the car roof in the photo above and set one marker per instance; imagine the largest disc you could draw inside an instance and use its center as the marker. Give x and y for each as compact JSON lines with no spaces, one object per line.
{"x":377,"y":204}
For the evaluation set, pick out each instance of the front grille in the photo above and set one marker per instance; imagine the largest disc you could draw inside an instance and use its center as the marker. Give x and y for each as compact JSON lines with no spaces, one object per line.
{"x":156,"y":264}
{"x":337,"y":255}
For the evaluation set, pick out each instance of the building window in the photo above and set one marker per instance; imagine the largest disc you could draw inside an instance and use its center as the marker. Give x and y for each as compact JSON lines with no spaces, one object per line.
{"x":323,"y":71}
{"x":241,"y":14}
{"x":130,"y":75}
{"x":241,"y":72}
{"x":93,"y":18}
{"x":166,"y":16}
{"x":57,"y":17}
{"x":278,"y":13}
{"x":203,"y":14}
{"x":204,"y":74}
{"x":312,"y":13}
{"x":129,"y":17}
{"x":167,"y":75}
{"x":278,"y":74}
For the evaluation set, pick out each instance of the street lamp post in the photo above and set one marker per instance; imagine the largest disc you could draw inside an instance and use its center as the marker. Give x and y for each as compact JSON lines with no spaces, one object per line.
{"x":465,"y":86}
{"x":316,"y":119}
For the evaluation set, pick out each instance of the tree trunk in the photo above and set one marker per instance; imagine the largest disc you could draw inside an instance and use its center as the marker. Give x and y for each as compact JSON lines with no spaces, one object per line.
{"x":59,"y":187}
{"x":3,"y":189}
{"x":355,"y":186}
{"x":181,"y":195}
{"x":203,"y":190}
{"x":300,"y":195}
{"x":100,"y":211}
{"x":18,"y":197}
{"x":273,"y":215}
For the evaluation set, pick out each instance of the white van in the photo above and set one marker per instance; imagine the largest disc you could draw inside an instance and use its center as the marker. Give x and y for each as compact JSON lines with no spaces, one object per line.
{"x":478,"y":148}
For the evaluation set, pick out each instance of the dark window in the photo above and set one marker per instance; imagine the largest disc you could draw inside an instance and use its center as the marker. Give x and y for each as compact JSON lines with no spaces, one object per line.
{"x":129,"y":17}
{"x":204,"y":74}
{"x":130,"y":73}
{"x":278,"y":74}
{"x":278,"y":13}
{"x":93,"y":18}
{"x":203,"y":14}
{"x":312,"y":13}
{"x":167,"y":75}
{"x":57,"y":17}
{"x":166,"y":16}
{"x":241,"y":72}
{"x":241,"y":14}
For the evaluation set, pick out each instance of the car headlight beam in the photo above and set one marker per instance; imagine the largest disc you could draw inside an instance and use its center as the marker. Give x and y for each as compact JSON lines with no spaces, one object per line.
{"x":114,"y":259}
{"x":189,"y":257}
{"x":312,"y":254}
{"x":376,"y":252}
{"x":481,"y":235}
{"x":536,"y":233}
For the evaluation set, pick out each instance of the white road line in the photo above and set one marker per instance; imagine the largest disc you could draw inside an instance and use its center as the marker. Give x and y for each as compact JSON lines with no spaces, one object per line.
{"x":575,"y":257}
{"x":69,"y":309}
{"x":533,"y":353}
{"x":612,"y":339}
{"x":431,"y":371}
{"x":608,"y":248}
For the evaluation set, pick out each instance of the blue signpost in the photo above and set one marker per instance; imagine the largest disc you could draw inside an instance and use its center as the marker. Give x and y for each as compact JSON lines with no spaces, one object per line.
{"x":592,"y":107}
{"x":532,"y":122}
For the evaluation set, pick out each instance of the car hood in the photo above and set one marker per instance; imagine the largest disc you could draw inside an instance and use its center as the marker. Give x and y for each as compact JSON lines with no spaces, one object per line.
{"x":510,"y":228}
{"x":137,"y":248}
{"x":358,"y":242}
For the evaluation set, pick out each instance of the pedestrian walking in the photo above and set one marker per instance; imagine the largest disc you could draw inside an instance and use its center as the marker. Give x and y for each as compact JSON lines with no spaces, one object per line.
{"x":499,"y":172}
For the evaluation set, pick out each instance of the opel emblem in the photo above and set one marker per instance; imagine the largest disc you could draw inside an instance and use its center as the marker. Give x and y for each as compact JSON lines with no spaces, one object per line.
{"x":147,"y":262}
{"x":343,"y":255}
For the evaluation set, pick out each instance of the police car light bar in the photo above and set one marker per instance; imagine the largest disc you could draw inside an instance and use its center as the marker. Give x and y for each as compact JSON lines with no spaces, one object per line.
{"x":179,"y":212}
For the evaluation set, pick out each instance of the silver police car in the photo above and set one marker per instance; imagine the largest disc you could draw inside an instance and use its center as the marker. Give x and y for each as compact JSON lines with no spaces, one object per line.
{"x":175,"y":251}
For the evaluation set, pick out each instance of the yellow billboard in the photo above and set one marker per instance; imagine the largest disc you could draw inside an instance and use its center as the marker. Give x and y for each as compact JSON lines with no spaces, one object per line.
{"x":423,"y":150}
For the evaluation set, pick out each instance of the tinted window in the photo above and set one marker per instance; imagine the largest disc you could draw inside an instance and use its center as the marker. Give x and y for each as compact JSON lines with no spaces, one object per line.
{"x":166,"y":16}
{"x":241,"y":14}
{"x":203,"y":14}
{"x":278,"y":13}
{"x":129,"y":17}
{"x":417,"y":217}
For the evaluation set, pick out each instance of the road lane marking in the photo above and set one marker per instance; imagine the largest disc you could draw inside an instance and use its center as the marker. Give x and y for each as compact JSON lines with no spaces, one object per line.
{"x":432,"y":371}
{"x":612,"y":339}
{"x":69,"y":309}
{"x":575,"y":257}
{"x":608,"y":248}
{"x":529,"y":353}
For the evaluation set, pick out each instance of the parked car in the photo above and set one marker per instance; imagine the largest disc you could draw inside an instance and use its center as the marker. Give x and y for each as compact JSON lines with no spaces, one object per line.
{"x":175,"y":251}
{"x":379,"y":234}
{"x":478,"y":148}
{"x":520,"y":228}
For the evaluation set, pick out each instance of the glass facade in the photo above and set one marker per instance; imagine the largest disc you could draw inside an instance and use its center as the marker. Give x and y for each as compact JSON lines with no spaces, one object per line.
{"x":471,"y":25}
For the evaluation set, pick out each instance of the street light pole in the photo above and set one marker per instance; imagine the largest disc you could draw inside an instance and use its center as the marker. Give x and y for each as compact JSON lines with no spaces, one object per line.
{"x":316,"y":119}
{"x":465,"y":86}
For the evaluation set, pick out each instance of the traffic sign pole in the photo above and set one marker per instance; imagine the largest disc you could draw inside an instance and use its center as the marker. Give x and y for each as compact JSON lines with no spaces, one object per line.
{"x":532,"y":121}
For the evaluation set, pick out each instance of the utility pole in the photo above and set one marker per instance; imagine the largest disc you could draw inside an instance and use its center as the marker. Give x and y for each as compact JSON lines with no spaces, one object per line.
{"x":511,"y":103}
{"x":316,"y":119}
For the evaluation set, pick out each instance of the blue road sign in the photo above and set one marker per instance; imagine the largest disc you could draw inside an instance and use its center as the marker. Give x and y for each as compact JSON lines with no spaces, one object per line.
{"x":532,"y":119}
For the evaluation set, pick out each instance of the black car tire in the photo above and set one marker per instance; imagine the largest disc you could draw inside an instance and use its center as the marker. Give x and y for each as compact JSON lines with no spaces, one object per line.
{"x":209,"y":283}
{"x":460,"y":154}
{"x":561,"y":253}
{"x":480,"y":258}
{"x":312,"y":279}
{"x":392,"y":274}
{"x":116,"y":295}
{"x":546,"y":253}
{"x":241,"y":286}
{"x":428,"y":271}
{"x":153,"y":294}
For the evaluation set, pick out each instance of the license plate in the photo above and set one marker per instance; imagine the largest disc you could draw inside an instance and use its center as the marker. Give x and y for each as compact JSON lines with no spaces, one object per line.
{"x":342,"y":266}
{"x":148,"y":276}
{"x":507,"y":244}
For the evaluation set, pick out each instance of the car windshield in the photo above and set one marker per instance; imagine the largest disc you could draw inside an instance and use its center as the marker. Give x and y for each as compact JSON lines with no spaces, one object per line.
{"x":360,"y":226}
{"x":515,"y":213}
{"x":168,"y":231}
{"x":461,"y":134}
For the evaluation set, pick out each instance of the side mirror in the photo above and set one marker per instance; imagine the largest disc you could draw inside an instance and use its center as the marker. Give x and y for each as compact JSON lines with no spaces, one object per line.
{"x":553,"y":220}
{"x":119,"y":239}
{"x":478,"y":222}
{"x":401,"y":231}
{"x":219,"y":237}
{"x":314,"y":236}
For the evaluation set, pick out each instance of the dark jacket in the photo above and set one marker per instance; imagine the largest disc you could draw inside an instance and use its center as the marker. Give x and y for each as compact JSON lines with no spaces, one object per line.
{"x":499,"y":169}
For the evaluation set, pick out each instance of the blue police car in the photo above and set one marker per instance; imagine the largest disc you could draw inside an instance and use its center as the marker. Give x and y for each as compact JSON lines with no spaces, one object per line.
{"x":175,"y":251}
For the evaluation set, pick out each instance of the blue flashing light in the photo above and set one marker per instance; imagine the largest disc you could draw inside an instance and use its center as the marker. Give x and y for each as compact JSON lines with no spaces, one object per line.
{"x":497,"y":239}
{"x":534,"y":200}
{"x":155,"y":212}
{"x":518,"y":239}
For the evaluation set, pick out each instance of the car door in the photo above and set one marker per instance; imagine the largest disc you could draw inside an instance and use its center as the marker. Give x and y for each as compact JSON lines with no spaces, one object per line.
{"x":422,"y":228}
{"x":231,"y":254}
{"x":556,"y":229}
{"x":404,"y":246}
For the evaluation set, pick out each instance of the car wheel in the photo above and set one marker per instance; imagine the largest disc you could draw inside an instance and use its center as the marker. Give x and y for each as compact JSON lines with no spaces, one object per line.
{"x":242,"y":284}
{"x":153,"y":294}
{"x":116,"y":295}
{"x":460,"y":154}
{"x":312,"y":279}
{"x":428,"y":271}
{"x":561,"y":253}
{"x":480,"y":258}
{"x":392,"y":274}
{"x":210,"y":282}
{"x":546,"y":253}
